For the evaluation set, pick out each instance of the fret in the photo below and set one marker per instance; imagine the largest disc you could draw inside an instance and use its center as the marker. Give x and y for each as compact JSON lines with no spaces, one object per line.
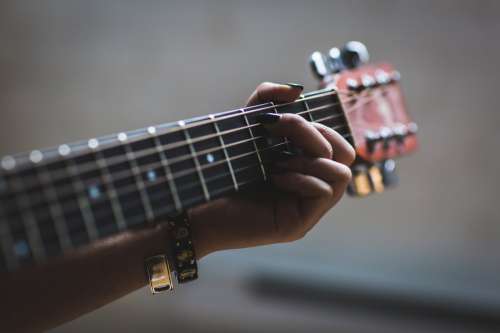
{"x":331,"y":114}
{"x":287,"y":142}
{"x":138,"y":178}
{"x":8,"y":260}
{"x":182,"y":124}
{"x":96,"y":194}
{"x":168,"y":173}
{"x":269,"y":147}
{"x":211,"y":157}
{"x":28,"y":244}
{"x":240,"y":147}
{"x":309,"y":115}
{"x":56,"y":211}
{"x":74,"y":209}
{"x":123,"y":189}
{"x":106,"y":174}
{"x":184,"y":173}
{"x":325,"y":106}
{"x":251,"y":130}
{"x":49,"y":225}
{"x":226,"y":155}
{"x":154,"y":173}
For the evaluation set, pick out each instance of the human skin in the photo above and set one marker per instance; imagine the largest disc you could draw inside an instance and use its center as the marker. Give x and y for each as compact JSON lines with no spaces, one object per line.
{"x":300,"y":192}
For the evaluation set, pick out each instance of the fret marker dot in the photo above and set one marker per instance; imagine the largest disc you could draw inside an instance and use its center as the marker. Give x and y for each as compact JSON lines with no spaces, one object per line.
{"x":210,"y":158}
{"x":21,"y":248}
{"x":64,"y":150}
{"x":122,"y":137}
{"x":152,"y":130}
{"x":8,"y":163}
{"x":94,"y":192}
{"x":151,"y":175}
{"x":93,"y":143}
{"x":36,"y":156}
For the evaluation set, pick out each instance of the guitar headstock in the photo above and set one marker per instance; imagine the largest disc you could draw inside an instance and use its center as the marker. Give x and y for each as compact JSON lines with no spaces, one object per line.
{"x":380,"y":127}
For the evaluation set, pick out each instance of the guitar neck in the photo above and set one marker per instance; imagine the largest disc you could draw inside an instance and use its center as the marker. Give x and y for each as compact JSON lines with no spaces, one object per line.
{"x":58,"y":199}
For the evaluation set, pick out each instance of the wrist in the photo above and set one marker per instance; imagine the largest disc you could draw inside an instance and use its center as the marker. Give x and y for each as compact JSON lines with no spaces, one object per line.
{"x":202,"y":238}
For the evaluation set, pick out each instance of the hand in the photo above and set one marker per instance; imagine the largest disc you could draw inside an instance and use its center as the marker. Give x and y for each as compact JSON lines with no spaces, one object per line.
{"x":305,"y":189}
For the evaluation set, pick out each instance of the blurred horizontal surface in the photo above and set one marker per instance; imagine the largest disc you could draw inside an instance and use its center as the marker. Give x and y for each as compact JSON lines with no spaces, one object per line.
{"x":72,"y":70}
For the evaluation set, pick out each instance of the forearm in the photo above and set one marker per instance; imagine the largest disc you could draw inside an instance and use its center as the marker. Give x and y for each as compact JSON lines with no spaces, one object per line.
{"x":45,"y":296}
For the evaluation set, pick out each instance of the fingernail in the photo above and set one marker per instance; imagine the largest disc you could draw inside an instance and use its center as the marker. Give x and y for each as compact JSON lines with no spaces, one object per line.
{"x":295,"y":85}
{"x":268,"y":118}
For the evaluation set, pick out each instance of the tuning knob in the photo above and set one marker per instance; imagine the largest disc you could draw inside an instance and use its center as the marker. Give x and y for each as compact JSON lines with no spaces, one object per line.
{"x":319,"y":65}
{"x":389,"y":175}
{"x":354,"y":54}
{"x":376,"y":178}
{"x":360,"y":185}
{"x":335,"y":60}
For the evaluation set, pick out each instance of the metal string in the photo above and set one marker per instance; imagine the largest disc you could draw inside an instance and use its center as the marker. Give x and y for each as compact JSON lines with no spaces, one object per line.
{"x":241,"y":169}
{"x":89,"y":167}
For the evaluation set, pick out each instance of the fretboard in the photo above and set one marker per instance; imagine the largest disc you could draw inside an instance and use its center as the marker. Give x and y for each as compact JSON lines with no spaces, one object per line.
{"x":55,"y":200}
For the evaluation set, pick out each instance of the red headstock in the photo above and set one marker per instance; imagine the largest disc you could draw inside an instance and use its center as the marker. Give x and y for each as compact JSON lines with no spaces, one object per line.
{"x":374,"y":106}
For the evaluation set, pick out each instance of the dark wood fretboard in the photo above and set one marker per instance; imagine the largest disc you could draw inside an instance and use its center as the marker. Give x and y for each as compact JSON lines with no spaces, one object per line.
{"x":54,"y":200}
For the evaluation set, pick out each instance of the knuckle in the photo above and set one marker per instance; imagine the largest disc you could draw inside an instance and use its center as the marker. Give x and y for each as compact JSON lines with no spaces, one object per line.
{"x":293,"y":232}
{"x":351,"y":154}
{"x":344,"y":173}
{"x":264,"y":85}
{"x":328,"y":151}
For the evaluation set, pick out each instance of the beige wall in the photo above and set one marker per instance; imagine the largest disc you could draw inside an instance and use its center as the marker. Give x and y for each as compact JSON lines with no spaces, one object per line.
{"x":71,"y":70}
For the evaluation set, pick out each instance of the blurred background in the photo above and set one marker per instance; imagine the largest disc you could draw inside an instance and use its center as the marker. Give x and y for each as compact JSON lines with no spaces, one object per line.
{"x":422,"y":257}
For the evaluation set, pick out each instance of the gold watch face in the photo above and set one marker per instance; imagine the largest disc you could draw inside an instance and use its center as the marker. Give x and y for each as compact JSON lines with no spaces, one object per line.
{"x":160,"y":277}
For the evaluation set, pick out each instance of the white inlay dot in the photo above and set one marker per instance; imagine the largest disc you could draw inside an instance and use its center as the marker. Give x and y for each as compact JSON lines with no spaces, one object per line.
{"x":21,"y":248}
{"x":94,"y":192}
{"x":64,"y":150}
{"x":36,"y":156}
{"x":210,"y":158}
{"x":93,"y":143}
{"x":151,"y":175}
{"x":122,"y":137}
{"x":152,"y":130}
{"x":8,"y":163}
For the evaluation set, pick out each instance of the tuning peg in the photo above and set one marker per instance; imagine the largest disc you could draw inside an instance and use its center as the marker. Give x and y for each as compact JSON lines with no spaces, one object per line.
{"x":360,"y":185}
{"x":389,"y":175}
{"x":319,"y":65}
{"x":354,"y":54}
{"x":376,"y":178}
{"x":335,"y":60}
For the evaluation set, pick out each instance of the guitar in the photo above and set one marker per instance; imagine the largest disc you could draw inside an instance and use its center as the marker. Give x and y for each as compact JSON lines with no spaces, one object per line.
{"x":58,"y":199}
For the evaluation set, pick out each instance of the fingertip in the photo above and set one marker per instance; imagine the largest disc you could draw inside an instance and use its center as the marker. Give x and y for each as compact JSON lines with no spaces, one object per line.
{"x":275,"y":92}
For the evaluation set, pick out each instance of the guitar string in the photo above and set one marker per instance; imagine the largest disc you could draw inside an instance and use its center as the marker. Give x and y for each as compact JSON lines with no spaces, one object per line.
{"x":216,"y":177}
{"x":134,"y":187}
{"x":144,"y":153}
{"x":144,"y":168}
{"x":195,"y":123}
{"x":89,"y":167}
{"x":166,"y":208}
{"x":68,"y":190}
